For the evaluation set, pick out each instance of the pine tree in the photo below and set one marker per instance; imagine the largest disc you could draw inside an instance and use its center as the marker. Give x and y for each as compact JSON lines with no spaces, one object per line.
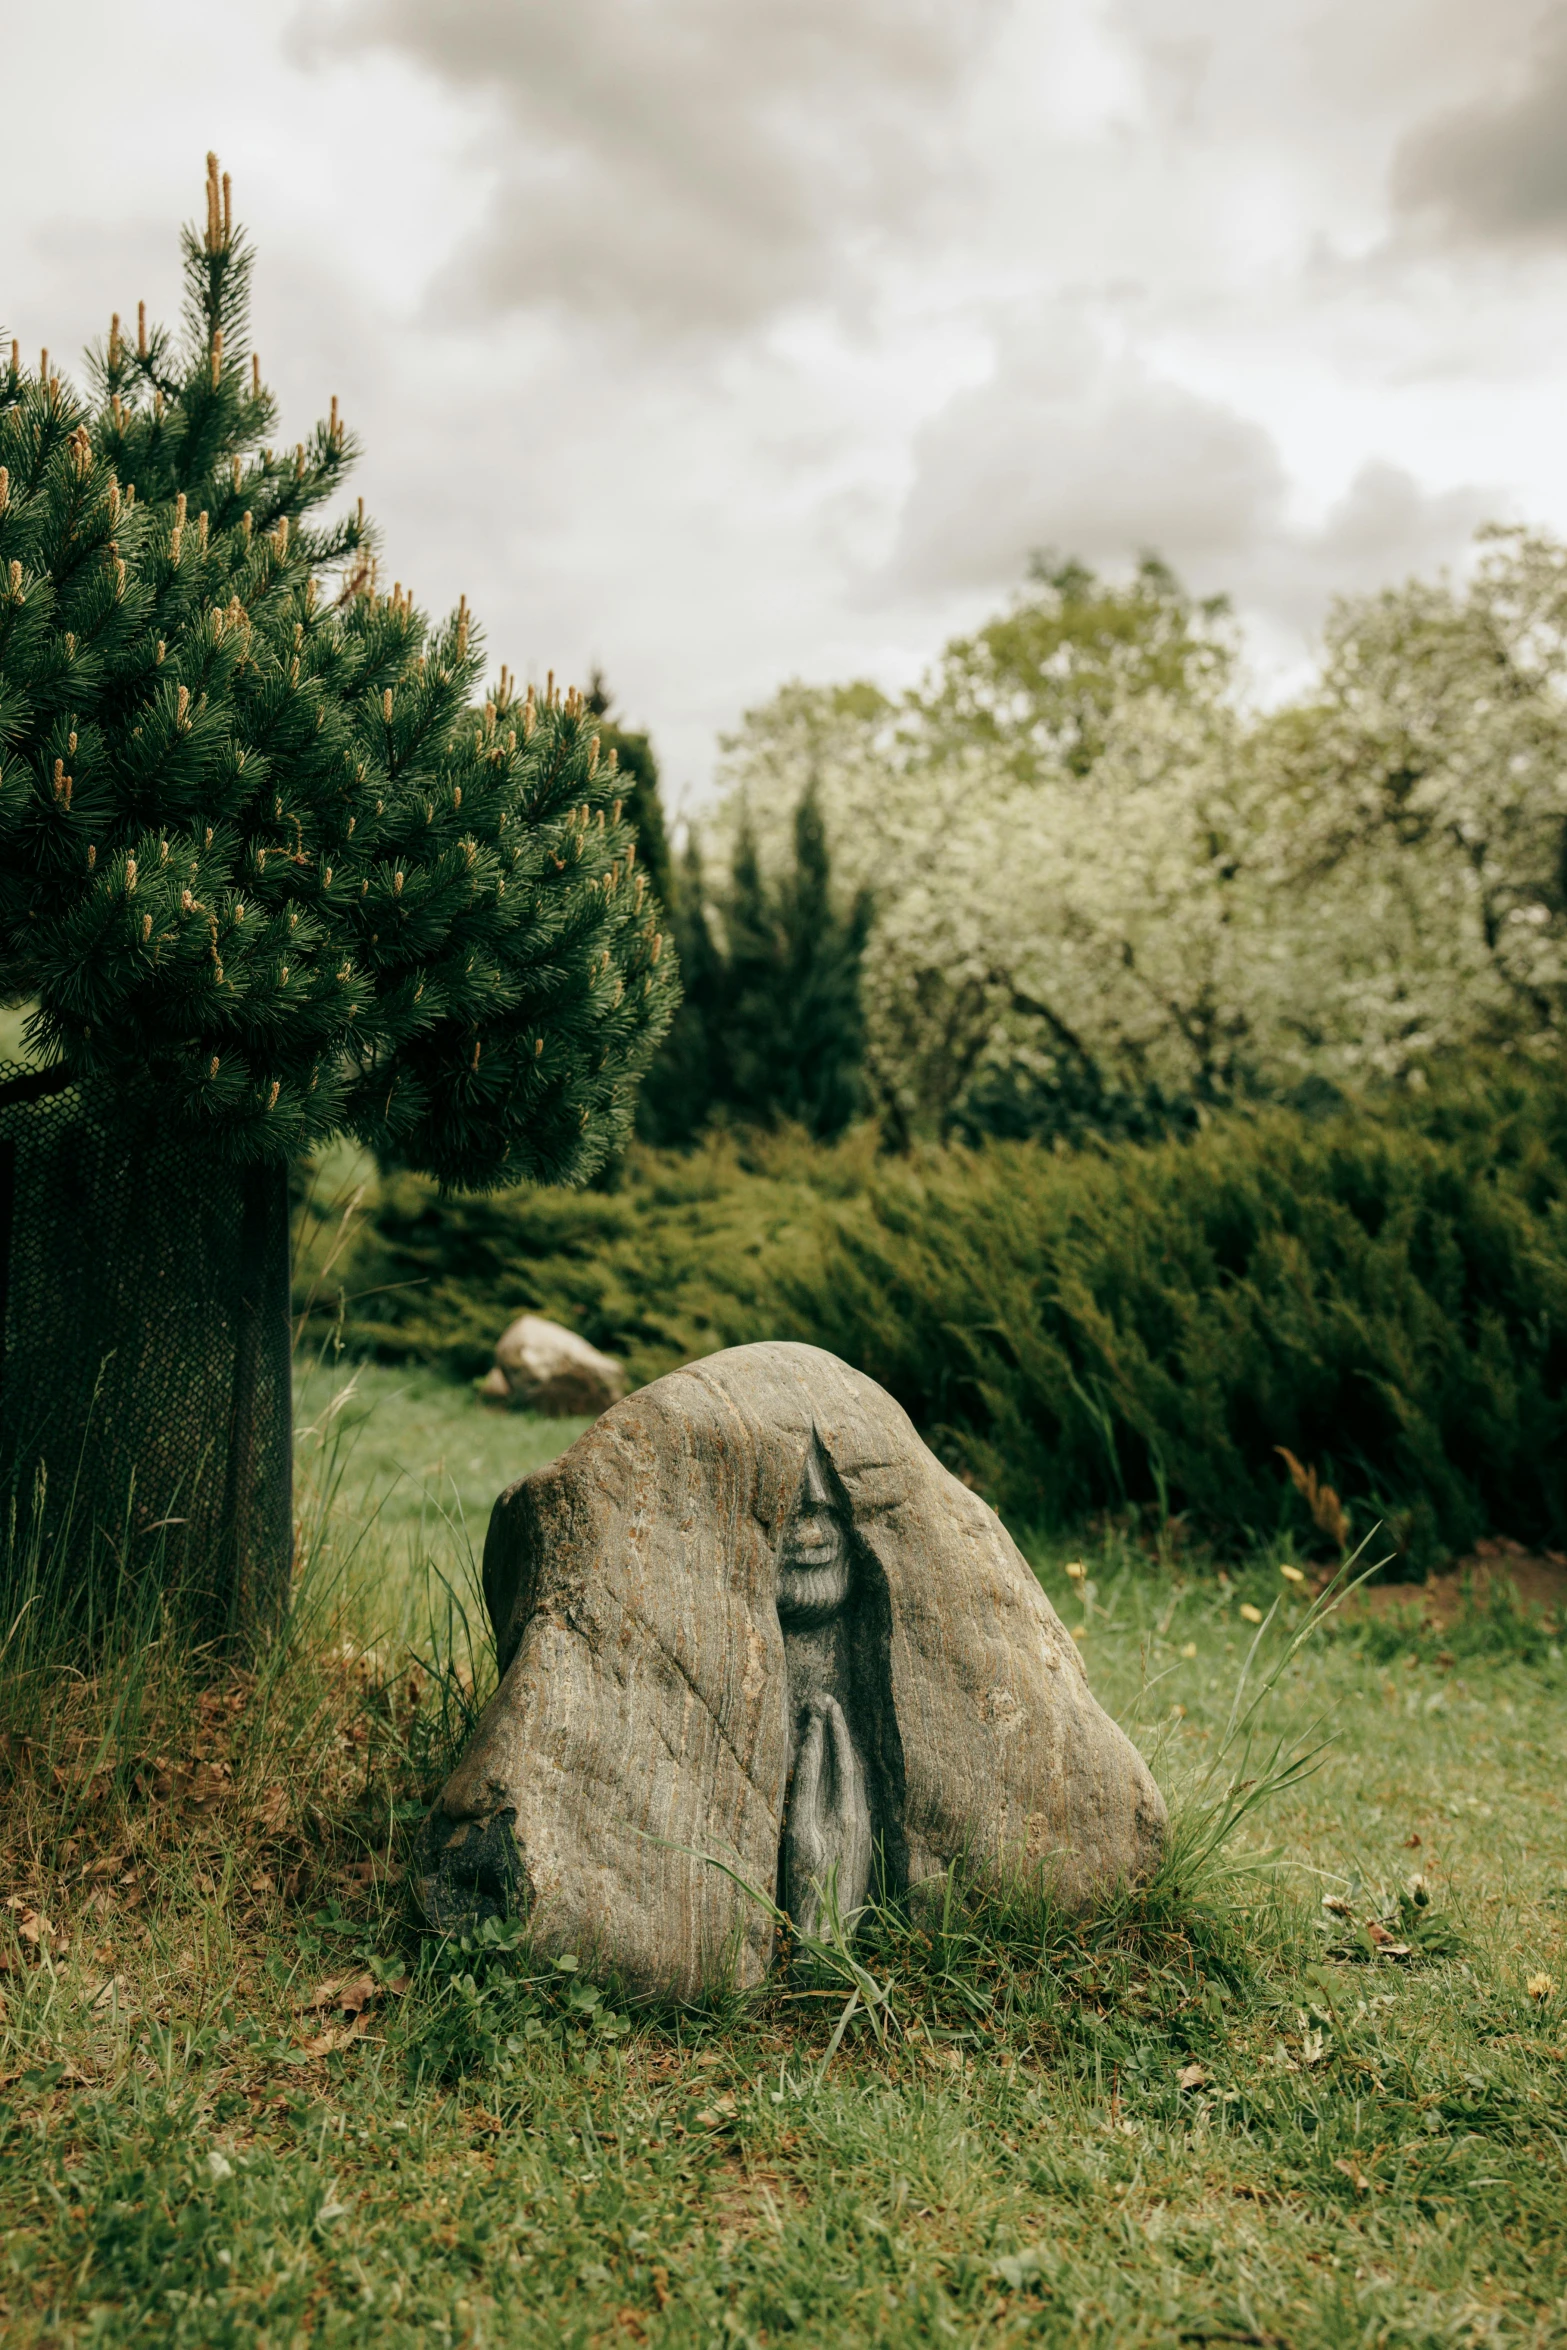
{"x":686,"y":1075}
{"x":265,"y":844}
{"x":275,"y":864}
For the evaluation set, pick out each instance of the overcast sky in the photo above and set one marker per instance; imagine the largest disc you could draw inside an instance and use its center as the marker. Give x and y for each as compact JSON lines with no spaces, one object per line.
{"x":722,"y":341}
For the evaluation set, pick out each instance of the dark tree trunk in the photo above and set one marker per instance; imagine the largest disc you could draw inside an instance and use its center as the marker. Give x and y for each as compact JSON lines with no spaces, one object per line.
{"x":145,"y":1412}
{"x":257,"y":1526}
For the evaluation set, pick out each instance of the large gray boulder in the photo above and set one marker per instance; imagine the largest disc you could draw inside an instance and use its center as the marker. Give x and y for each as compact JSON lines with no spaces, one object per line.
{"x":751,"y":1633}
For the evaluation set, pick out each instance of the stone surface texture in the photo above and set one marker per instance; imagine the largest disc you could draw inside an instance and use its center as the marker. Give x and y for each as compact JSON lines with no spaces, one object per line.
{"x":541,"y":1367}
{"x":642,"y":1729}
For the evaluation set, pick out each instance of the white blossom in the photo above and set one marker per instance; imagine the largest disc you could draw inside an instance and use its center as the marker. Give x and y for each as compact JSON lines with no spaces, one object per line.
{"x":1210,"y":903}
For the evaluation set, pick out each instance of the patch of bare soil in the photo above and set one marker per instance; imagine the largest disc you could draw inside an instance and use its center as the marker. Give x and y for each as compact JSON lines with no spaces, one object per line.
{"x":1538,"y":1578}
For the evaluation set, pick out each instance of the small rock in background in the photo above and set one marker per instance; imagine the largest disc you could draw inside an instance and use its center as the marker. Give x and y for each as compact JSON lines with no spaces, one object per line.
{"x":540,"y":1367}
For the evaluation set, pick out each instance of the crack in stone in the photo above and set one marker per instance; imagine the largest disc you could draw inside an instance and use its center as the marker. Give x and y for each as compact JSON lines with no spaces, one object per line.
{"x":634,"y":1615}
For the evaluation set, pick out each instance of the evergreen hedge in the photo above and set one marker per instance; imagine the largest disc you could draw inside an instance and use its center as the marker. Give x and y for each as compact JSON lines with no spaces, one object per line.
{"x":1386,"y":1297}
{"x":680,"y":1253}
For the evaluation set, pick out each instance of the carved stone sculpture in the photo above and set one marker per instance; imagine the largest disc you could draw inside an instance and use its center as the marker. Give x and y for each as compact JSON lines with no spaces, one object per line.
{"x":749,"y":1620}
{"x":837,"y":1817}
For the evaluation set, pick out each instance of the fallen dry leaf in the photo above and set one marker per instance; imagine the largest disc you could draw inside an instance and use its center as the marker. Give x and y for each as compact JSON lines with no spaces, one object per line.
{"x":1540,"y":1988}
{"x":273,"y":1810}
{"x":1337,"y":1904}
{"x":349,"y":1994}
{"x":336,"y":2036}
{"x":1387,"y":1943}
{"x":210,"y":1782}
{"x":1193,"y":2076}
{"x":369,"y":1872}
{"x":1353,"y":2172}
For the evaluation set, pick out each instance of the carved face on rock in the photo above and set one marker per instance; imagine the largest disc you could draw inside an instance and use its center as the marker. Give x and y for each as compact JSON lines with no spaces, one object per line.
{"x":814,"y":1557}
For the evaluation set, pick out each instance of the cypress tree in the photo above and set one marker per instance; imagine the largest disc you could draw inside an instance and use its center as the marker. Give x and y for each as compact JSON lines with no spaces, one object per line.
{"x":794,"y":1030}
{"x":771,"y":1025}
{"x":275,"y":862}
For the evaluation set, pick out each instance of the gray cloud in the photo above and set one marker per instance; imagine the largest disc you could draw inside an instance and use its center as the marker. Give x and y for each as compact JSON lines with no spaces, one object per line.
{"x":699,"y":164}
{"x":1073,"y":447}
{"x":1495,"y":170}
{"x":1069,"y":447}
{"x":1383,"y":529}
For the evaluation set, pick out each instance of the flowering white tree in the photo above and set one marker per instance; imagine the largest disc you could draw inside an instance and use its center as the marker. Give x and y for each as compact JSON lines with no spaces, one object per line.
{"x":1101,"y":885}
{"x":1421,"y":813}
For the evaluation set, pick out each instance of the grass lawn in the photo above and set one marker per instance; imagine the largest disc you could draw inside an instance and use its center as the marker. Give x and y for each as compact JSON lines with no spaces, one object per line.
{"x":243,"y":2100}
{"x":398,"y":1470}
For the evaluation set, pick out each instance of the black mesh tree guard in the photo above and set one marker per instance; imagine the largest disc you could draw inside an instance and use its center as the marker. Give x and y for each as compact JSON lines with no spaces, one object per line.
{"x":145,"y":1403}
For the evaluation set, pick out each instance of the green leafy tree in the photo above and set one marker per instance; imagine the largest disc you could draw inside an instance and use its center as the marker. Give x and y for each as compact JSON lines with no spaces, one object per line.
{"x":275,"y":864}
{"x":1047,"y":681}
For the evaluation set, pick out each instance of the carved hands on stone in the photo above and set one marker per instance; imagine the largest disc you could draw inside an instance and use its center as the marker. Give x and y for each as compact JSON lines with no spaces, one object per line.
{"x":827,"y":1837}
